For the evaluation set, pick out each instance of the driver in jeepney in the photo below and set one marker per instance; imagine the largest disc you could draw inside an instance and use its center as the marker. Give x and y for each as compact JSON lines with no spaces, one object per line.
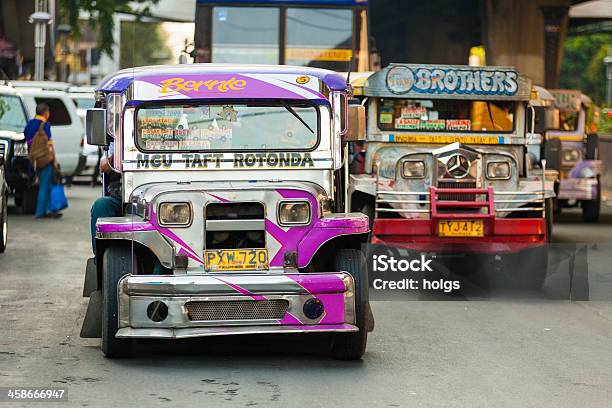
{"x":109,"y":205}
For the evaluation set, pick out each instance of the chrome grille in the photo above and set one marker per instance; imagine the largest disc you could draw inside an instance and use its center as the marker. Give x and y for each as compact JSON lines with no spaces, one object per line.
{"x":457,"y":197}
{"x":236,"y":310}
{"x":457,"y":185}
{"x":3,"y":148}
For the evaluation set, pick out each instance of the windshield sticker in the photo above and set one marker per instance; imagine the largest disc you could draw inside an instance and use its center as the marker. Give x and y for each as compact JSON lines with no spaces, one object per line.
{"x":438,"y":124}
{"x":228,"y":113}
{"x":458,"y":124}
{"x":413,"y":112}
{"x":213,"y":160}
{"x":386,"y":117}
{"x":409,"y":124}
{"x":402,"y":79}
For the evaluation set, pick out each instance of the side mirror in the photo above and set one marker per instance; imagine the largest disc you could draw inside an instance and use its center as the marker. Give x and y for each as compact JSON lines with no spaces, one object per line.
{"x":356,"y":126}
{"x":95,"y":127}
{"x":538,"y":122}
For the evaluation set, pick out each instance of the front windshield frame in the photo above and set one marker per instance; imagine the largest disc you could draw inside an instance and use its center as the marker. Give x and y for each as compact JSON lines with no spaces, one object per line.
{"x":23,"y":110}
{"x":513,"y":112}
{"x":250,"y":102}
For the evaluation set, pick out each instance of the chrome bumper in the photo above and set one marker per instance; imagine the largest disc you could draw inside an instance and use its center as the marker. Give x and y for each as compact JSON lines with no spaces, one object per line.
{"x":334,"y":291}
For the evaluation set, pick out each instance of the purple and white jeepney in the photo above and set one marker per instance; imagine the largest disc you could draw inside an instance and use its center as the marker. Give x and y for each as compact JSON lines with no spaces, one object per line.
{"x":235,"y":221}
{"x":574,"y":152}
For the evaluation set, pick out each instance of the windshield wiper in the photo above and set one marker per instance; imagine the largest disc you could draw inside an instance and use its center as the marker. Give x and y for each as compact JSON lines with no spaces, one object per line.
{"x":294,"y":113}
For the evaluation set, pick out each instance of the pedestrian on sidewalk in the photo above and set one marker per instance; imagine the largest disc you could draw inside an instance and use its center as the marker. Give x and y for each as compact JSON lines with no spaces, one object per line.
{"x":42,"y":155}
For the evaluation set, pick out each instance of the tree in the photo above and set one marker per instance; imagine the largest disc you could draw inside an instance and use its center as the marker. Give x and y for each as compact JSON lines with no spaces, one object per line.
{"x":582,"y":66}
{"x":136,"y":52}
{"x":101,"y":12}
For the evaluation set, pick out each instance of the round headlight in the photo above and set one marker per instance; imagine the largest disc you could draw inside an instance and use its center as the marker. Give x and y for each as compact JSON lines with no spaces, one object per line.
{"x":413,"y":169}
{"x":294,"y":212}
{"x":587,"y":173}
{"x":571,"y":155}
{"x":498,"y":170}
{"x":174,"y":214}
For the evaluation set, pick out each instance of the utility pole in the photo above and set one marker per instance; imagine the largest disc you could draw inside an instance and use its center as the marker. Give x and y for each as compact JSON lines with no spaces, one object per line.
{"x":40,"y":18}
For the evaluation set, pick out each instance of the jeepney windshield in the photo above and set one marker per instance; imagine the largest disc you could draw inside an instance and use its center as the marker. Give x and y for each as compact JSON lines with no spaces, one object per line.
{"x":228,"y":127}
{"x":568,"y":121}
{"x":446,"y":115}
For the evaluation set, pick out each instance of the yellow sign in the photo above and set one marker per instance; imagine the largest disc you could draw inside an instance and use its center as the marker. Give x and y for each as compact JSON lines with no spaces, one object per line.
{"x":302,"y":80}
{"x":446,"y":139}
{"x":568,"y":138}
{"x":315,"y":54}
{"x":236,"y":259}
{"x":468,"y":228}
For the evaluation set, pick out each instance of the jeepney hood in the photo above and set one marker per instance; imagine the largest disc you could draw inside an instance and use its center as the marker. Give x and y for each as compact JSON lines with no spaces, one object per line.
{"x":10,"y":135}
{"x":389,"y":161}
{"x":388,"y":156}
{"x":439,"y":162}
{"x":150,"y":192}
{"x":237,"y":215}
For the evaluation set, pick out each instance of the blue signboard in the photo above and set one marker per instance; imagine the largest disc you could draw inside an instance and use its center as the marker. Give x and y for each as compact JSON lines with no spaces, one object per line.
{"x":341,"y":3}
{"x":448,"y":82}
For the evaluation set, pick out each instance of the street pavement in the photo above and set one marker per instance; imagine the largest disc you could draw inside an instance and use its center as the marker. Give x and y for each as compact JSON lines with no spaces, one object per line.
{"x":502,"y":350}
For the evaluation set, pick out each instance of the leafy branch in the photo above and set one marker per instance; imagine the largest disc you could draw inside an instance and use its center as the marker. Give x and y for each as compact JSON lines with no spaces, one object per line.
{"x":101,"y":16}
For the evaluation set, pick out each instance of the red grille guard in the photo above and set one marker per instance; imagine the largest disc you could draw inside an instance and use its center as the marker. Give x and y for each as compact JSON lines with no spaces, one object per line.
{"x":500,"y":234}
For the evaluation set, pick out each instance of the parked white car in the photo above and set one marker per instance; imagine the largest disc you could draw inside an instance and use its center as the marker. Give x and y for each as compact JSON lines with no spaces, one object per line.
{"x":67,"y":128}
{"x":83,"y":98}
{"x":19,"y":174}
{"x":46,"y":85}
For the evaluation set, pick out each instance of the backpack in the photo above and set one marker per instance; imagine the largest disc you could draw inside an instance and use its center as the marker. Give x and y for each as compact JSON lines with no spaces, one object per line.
{"x":41,"y":152}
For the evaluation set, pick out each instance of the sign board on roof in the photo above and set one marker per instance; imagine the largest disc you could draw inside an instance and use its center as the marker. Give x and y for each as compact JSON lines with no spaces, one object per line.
{"x":448,"y":81}
{"x":567,"y":99}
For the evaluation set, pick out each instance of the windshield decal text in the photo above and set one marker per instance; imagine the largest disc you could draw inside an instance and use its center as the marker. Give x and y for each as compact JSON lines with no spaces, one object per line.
{"x":213,"y":160}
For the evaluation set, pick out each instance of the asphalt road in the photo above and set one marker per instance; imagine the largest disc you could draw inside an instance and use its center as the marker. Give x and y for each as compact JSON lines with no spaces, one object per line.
{"x":502,"y":350}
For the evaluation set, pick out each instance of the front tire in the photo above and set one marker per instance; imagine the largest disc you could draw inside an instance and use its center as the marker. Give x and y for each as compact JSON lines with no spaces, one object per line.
{"x":549,"y":211}
{"x":3,"y":223}
{"x":28,"y":199}
{"x":351,"y":346}
{"x":523,"y":270}
{"x":117,"y":262}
